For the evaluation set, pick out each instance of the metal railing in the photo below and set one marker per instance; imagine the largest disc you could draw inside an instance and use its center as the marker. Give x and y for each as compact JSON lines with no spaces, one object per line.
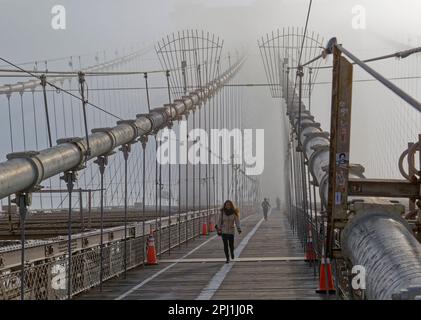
{"x":46,"y":272}
{"x":46,"y":277}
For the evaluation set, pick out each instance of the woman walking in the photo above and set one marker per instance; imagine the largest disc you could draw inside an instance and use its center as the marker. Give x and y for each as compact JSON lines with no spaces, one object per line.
{"x":228,"y":217}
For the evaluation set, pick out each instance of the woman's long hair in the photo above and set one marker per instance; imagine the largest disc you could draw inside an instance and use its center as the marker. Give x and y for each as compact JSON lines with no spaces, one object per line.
{"x":236,"y":210}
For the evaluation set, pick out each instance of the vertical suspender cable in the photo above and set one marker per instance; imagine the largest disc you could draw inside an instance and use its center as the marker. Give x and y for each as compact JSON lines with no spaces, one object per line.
{"x":221,"y":121}
{"x":36,"y":133}
{"x":125,"y":149}
{"x":160,"y":199}
{"x":206,"y":118}
{"x":43,"y":79}
{"x":143,"y":196}
{"x":199,"y":180}
{"x":10,"y":121}
{"x":167,"y":74}
{"x":69,"y":177}
{"x":82,"y":93}
{"x":156,"y":183}
{"x":22,"y":202}
{"x":194,"y":176}
{"x":145,"y":75}
{"x":56,"y":136}
{"x":23,"y":120}
{"x":101,"y":161}
{"x":63,"y":110}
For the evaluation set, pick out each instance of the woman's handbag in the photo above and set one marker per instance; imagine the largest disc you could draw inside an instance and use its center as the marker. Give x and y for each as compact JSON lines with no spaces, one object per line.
{"x":218,"y":227}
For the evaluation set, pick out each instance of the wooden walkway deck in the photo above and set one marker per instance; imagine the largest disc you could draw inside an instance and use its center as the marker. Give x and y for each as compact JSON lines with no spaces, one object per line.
{"x":270,"y":266}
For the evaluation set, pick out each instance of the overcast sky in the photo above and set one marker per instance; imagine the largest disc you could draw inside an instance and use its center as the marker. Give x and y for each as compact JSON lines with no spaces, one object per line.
{"x":27,"y":33}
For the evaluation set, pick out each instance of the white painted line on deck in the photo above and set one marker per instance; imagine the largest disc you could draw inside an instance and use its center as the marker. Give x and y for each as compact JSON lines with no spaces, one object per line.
{"x":141,"y":284}
{"x":248,"y":259}
{"x":208,"y":292}
{"x":162,"y":271}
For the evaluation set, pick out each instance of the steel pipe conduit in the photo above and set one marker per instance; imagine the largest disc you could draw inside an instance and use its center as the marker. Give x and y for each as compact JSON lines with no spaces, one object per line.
{"x":314,"y":143}
{"x":19,"y":173}
{"x":376,"y":237}
{"x":379,"y":240}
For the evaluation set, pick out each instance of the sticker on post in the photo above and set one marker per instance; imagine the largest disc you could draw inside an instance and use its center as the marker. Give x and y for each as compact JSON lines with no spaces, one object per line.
{"x":343,"y":134}
{"x":341,"y":180}
{"x":338,"y":197}
{"x":342,"y":158}
{"x":343,"y":109}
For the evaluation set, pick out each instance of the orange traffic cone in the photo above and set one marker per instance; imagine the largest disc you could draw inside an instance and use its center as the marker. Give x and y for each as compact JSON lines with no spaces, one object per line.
{"x":204,"y":229}
{"x":326,"y":280}
{"x":151,"y":251}
{"x":211,"y":226}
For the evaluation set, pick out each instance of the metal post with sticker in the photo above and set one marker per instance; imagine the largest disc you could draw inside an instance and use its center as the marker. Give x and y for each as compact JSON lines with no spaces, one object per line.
{"x":339,"y":147}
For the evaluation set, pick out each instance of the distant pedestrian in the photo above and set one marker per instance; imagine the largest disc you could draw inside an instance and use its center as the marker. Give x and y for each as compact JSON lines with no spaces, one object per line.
{"x":228,"y":217}
{"x":278,"y":203}
{"x":265,"y":207}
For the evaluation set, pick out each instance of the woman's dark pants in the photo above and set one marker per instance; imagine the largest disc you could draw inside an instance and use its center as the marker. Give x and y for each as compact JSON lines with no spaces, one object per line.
{"x":228,"y":240}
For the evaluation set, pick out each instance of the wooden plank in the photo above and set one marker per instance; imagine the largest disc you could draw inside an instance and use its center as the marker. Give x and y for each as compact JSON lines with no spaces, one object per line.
{"x":271,"y":266}
{"x":256,"y":259}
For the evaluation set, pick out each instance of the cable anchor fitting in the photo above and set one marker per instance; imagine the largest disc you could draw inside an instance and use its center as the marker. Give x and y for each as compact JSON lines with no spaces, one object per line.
{"x":84,"y":102}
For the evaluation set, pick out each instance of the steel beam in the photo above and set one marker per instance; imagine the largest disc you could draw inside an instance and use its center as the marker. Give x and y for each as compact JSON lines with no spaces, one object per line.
{"x":384,"y":188}
{"x":381,"y":241}
{"x":22,"y":172}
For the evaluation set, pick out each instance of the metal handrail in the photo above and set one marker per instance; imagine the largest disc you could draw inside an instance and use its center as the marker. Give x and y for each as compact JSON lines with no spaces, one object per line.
{"x":39,"y":272}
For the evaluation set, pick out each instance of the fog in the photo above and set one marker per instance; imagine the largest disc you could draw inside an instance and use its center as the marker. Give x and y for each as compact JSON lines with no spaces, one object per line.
{"x":381,"y":125}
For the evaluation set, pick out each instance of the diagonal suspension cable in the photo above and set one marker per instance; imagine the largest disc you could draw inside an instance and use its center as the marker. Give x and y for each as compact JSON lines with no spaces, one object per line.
{"x":302,"y":46}
{"x":59,"y":88}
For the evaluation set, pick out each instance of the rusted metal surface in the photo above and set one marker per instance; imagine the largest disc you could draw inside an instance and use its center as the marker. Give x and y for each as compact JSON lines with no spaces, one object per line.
{"x":24,"y":171}
{"x":390,"y":188}
{"x":340,"y":132}
{"x":381,"y":241}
